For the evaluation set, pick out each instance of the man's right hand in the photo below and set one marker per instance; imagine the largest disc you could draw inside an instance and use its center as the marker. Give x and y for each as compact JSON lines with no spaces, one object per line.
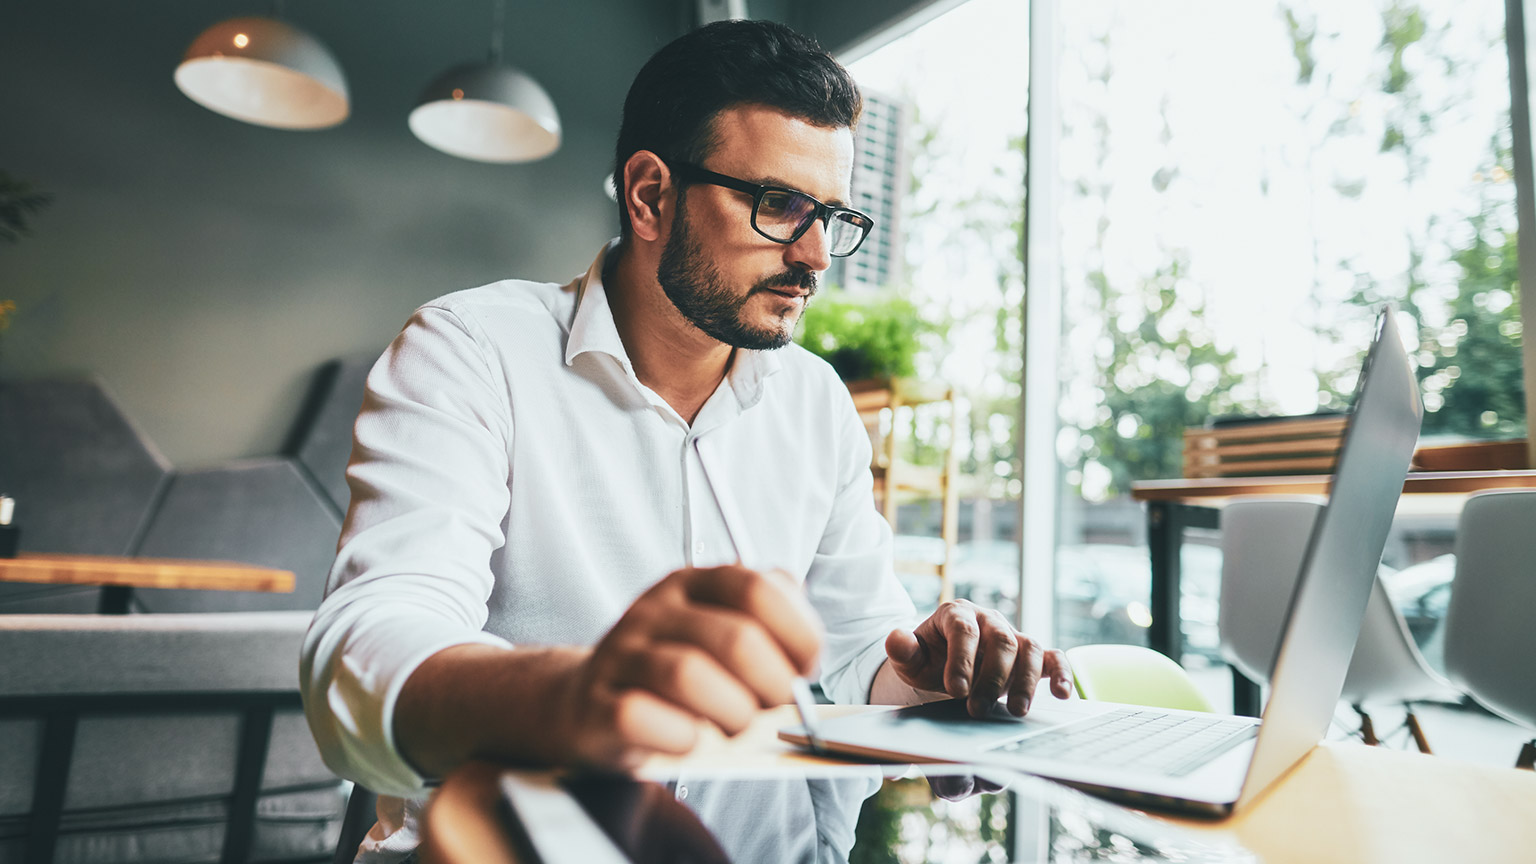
{"x":712,"y":644}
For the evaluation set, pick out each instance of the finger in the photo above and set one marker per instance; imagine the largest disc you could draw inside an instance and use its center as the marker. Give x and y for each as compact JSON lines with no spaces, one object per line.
{"x":633,"y":724}
{"x":997,"y":648}
{"x":955,"y":787}
{"x":962,"y":635}
{"x":1059,"y":670}
{"x":952,"y":787}
{"x":906,"y":652}
{"x":739,"y":644}
{"x":691,"y":680}
{"x":786,"y":615}
{"x":983,"y":785}
{"x":1026,"y":675}
{"x":912,"y":658}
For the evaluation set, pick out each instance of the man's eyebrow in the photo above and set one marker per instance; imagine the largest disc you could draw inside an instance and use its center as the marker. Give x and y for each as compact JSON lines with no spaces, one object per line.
{"x":775,"y":181}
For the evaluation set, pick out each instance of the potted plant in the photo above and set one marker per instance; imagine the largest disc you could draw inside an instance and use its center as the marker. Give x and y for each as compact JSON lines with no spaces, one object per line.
{"x":19,"y":202}
{"x":870,"y":343}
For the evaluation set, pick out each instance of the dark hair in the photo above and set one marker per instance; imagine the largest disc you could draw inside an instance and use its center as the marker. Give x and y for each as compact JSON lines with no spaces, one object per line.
{"x":672,"y":104}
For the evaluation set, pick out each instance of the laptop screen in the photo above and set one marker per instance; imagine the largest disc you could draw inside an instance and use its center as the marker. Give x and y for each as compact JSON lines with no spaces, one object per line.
{"x":1340,"y":563}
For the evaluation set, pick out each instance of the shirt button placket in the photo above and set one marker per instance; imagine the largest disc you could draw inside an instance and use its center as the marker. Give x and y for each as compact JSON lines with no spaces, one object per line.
{"x":690,"y":524}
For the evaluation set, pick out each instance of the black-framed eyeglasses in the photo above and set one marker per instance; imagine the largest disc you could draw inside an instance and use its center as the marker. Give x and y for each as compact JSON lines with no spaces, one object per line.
{"x":784,"y":215}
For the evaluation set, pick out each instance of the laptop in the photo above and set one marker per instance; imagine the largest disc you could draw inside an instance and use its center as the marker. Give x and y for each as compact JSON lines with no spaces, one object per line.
{"x":1183,"y":760}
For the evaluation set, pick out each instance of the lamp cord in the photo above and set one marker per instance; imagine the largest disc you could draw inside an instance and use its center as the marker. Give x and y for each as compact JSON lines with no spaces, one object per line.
{"x":498,"y":29}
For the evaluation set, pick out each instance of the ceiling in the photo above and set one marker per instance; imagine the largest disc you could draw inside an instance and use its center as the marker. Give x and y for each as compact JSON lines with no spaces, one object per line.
{"x":584,"y":52}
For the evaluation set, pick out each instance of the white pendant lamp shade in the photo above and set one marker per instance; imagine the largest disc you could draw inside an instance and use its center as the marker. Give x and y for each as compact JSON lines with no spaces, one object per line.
{"x":266,"y":72}
{"x":489,"y":113}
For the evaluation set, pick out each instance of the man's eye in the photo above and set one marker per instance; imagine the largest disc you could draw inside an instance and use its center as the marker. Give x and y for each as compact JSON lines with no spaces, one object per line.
{"x":776,"y":204}
{"x":789,"y":207}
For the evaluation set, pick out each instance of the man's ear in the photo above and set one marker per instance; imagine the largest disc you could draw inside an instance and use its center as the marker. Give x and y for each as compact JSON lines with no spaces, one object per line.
{"x":647,"y":187}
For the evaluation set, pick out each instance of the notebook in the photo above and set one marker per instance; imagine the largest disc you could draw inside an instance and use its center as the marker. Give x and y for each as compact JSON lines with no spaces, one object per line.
{"x":1189,"y":761}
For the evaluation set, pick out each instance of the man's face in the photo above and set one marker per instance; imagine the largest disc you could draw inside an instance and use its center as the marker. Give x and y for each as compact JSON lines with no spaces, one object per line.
{"x":731,"y":282}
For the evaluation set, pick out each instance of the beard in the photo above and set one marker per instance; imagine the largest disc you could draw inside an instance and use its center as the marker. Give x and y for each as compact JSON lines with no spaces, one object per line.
{"x":696,"y":288}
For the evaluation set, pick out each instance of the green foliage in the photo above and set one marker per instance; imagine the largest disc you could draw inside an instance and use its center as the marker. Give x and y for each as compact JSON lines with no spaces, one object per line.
{"x":1155,"y":368}
{"x":1159,"y":376}
{"x":1470,"y":366}
{"x":1473,"y":380}
{"x":1403,"y":25}
{"x":906,"y":820}
{"x":878,"y":338}
{"x":1302,"y":37}
{"x":19,"y":202}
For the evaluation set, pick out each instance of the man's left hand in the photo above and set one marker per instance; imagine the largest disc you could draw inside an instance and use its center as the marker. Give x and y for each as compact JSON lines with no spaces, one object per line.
{"x":974,"y":654}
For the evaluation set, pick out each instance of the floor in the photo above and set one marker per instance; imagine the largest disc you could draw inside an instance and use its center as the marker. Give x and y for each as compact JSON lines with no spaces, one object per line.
{"x":1465,"y":733}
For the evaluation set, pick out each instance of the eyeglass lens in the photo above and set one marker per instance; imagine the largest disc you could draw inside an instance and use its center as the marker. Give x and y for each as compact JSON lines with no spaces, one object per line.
{"x":781,"y":215}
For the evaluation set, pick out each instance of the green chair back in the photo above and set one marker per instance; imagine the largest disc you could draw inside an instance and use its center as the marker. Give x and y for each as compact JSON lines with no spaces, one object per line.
{"x":1135,"y":676}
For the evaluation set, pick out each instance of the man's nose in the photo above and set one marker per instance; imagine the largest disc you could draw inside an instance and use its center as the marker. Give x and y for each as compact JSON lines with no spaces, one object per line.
{"x":812,"y":251}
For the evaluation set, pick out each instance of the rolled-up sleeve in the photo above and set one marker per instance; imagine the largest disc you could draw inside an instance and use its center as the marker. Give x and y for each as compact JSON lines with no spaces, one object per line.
{"x":852,"y":582}
{"x":429,"y":483}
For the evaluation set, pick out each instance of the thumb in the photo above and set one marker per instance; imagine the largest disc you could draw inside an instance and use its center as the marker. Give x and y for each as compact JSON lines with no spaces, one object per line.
{"x":905,"y":649}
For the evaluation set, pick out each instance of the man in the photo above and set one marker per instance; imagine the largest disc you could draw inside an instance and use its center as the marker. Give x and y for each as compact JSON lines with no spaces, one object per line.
{"x":587,"y":518}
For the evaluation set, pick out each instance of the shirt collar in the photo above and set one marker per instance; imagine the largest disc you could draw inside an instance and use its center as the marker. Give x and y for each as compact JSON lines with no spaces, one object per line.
{"x":749,"y":370}
{"x":592,"y":327}
{"x":593,"y":330}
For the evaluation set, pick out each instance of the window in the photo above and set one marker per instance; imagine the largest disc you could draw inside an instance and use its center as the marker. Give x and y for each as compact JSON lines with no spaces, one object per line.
{"x":1232,"y":212}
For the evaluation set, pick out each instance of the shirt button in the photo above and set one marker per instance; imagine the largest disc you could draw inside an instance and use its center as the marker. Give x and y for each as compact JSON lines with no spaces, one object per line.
{"x":698,"y":548}
{"x":682,"y":793}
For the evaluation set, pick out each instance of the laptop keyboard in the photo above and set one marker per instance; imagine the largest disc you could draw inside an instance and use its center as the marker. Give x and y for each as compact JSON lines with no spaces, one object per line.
{"x":1171,"y":744}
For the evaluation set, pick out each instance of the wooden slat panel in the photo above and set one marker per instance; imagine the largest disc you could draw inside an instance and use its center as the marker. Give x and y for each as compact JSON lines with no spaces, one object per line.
{"x":1260,"y":467}
{"x":1437,"y":482}
{"x":1315,"y":428}
{"x":1272,"y":448}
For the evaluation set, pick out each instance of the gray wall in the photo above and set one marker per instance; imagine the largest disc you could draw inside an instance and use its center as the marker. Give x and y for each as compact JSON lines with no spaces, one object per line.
{"x":203,"y":268}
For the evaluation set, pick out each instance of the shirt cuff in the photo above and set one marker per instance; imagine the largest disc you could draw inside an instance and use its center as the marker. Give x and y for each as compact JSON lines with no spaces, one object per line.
{"x":850,"y":684}
{"x":362,"y":697}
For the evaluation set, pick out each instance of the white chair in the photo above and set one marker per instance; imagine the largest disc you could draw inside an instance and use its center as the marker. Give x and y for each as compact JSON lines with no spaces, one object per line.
{"x":1263,"y":542}
{"x":1490,"y":642}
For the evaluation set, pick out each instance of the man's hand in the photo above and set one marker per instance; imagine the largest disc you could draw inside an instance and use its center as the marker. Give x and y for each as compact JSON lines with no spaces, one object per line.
{"x":714,"y":644}
{"x":975,"y":654}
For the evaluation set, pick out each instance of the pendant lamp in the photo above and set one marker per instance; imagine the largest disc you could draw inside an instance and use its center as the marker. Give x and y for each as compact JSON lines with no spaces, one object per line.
{"x":488,"y":112}
{"x":264,"y":71}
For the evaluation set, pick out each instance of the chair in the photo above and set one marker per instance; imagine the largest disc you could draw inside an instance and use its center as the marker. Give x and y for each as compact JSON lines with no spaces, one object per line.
{"x":1133,"y":675}
{"x":1263,"y":541}
{"x":159,"y":738}
{"x":360,"y":818}
{"x":1489,"y":639}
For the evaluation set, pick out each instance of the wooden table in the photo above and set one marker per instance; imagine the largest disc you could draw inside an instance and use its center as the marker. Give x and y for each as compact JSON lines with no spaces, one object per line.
{"x":1344,"y":803}
{"x":119,"y":576}
{"x":1174,"y":505}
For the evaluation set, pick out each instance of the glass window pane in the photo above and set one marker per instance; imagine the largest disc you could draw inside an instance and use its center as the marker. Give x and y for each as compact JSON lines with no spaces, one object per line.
{"x":1233,"y":210}
{"x":941,"y":172}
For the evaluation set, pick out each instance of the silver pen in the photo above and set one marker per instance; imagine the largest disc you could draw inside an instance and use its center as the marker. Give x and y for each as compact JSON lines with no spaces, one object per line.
{"x":805,"y":703}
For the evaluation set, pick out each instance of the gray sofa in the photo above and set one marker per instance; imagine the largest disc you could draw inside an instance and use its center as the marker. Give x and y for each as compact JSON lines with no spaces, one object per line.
{"x":87,"y":481}
{"x":160,"y":717}
{"x":174,"y":737}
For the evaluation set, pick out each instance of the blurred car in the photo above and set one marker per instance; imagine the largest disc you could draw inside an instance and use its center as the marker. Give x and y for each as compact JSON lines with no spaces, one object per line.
{"x":1103,"y":591}
{"x":1422,"y":593}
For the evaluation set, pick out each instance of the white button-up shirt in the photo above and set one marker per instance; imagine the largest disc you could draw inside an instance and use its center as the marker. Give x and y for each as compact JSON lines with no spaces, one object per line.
{"x":514,"y":483}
